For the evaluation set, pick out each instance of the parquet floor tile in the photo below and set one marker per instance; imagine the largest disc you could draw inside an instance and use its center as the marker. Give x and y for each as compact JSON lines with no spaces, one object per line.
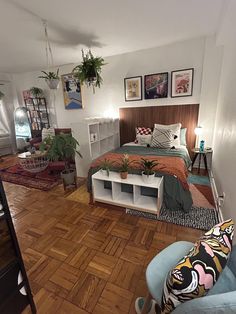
{"x":83,"y":259}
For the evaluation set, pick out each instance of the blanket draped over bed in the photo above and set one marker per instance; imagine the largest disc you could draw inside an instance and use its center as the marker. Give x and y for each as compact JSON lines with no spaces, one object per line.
{"x":172,"y":164}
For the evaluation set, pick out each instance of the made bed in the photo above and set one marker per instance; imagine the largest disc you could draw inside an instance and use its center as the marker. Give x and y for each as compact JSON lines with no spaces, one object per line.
{"x":172,"y":163}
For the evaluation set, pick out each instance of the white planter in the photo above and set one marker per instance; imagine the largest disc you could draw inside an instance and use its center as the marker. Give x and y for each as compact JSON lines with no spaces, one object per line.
{"x":68,"y":177}
{"x":53,"y":83}
{"x":148,"y":179}
{"x":104,"y":173}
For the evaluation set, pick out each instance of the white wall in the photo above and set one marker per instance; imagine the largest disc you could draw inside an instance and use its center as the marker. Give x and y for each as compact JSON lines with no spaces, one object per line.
{"x":110,"y":97}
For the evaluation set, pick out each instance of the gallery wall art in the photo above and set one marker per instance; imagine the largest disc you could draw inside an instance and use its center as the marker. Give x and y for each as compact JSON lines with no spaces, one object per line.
{"x":72,"y":92}
{"x":156,"y":85}
{"x":133,"y":88}
{"x":182,"y":83}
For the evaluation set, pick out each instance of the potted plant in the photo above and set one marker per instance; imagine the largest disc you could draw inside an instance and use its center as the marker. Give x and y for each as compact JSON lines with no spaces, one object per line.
{"x":124,"y":166}
{"x":52,"y":79}
{"x":148,"y":174}
{"x":62,"y":147}
{"x":1,"y":95}
{"x":106,"y":166}
{"x":89,"y":71}
{"x":36,"y":92}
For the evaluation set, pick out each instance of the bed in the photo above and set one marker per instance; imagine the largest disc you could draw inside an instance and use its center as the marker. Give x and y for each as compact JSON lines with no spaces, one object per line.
{"x":173,"y":164}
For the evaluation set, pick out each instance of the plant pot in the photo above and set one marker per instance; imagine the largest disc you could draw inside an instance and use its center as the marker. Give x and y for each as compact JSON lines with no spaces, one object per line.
{"x":68,"y":177}
{"x":52,"y":83}
{"x":124,"y":175}
{"x":148,"y":178}
{"x":104,"y":172}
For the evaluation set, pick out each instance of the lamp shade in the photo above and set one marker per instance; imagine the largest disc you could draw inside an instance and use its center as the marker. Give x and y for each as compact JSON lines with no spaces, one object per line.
{"x":198,"y":130}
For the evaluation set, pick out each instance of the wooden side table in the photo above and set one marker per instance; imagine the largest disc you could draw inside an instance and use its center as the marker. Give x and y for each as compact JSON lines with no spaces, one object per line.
{"x":201,"y":154}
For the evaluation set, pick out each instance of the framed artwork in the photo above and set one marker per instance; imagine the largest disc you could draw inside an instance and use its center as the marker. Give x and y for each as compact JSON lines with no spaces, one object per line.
{"x":182,"y":83}
{"x":133,"y":88}
{"x":71,"y":92}
{"x":156,"y":85}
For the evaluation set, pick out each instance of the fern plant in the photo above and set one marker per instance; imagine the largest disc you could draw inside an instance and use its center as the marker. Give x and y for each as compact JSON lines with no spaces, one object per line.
{"x":50,"y":75}
{"x":89,"y":71}
{"x":36,"y":91}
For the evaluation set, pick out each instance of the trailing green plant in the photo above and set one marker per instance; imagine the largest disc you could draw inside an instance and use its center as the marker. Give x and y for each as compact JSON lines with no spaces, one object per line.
{"x":106,"y":165}
{"x":61,"y":147}
{"x":147,"y":166}
{"x":89,"y":71}
{"x":36,"y":91}
{"x":50,"y":75}
{"x":125,"y":163}
{"x":1,"y":95}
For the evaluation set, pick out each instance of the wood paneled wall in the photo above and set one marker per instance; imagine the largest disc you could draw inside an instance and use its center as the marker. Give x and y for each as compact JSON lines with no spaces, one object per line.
{"x":148,"y":116}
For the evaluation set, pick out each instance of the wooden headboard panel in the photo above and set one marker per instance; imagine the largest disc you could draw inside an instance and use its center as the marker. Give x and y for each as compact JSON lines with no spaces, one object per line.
{"x":148,"y":116}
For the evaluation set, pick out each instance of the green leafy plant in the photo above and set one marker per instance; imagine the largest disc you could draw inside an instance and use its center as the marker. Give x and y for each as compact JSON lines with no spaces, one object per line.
{"x":106,"y":165}
{"x":50,"y":75}
{"x":125,"y":163}
{"x":36,"y":91}
{"x":89,"y":71}
{"x":147,"y":166}
{"x":61,"y":147}
{"x":1,"y":95}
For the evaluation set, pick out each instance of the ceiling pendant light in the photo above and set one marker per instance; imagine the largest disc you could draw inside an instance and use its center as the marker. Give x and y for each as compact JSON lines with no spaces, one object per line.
{"x":51,"y":78}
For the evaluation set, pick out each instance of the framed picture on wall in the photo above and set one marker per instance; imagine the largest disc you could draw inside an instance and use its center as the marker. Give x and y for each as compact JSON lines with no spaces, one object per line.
{"x":133,"y":88}
{"x":71,"y":92}
{"x":156,"y":85}
{"x":182,"y":83}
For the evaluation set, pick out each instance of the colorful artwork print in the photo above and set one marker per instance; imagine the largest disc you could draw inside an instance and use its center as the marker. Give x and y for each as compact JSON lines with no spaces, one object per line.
{"x":156,"y":85}
{"x":72,"y":92}
{"x":197,"y":272}
{"x":182,"y":83}
{"x":133,"y":88}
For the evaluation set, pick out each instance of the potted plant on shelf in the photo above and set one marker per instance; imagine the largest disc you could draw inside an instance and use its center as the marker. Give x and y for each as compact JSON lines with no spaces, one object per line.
{"x":62,"y":147}
{"x":125,"y":165}
{"x":1,"y":95}
{"x":36,"y":92}
{"x":106,"y":166}
{"x":89,"y":71}
{"x":51,"y":78}
{"x":148,"y":174}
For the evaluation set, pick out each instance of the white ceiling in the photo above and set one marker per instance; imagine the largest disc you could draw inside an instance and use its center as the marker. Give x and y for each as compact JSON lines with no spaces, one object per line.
{"x":107,"y":26}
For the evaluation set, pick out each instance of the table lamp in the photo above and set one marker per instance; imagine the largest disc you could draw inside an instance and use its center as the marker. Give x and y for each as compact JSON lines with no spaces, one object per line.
{"x":198,"y":132}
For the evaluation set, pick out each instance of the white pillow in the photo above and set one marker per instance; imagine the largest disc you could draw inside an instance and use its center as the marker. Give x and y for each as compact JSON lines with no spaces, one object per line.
{"x":175,"y":128}
{"x":47,"y":132}
{"x":162,"y":138}
{"x":144,"y":140}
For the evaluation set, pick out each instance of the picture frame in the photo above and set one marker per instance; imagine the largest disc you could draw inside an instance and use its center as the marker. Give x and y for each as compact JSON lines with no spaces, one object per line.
{"x":182,"y":83}
{"x":72,"y":92}
{"x":156,"y":85}
{"x":133,"y":88}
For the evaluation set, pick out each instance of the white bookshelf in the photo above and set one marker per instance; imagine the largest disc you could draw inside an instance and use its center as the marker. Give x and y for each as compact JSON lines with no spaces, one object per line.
{"x":109,"y":189}
{"x":107,"y":138}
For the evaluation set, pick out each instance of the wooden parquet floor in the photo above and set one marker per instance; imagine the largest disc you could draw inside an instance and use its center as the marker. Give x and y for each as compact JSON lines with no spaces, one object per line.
{"x":82,"y":258}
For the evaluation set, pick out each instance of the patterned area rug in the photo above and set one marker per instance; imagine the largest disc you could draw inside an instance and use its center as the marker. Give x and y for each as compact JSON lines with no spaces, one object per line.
{"x":44,"y":180}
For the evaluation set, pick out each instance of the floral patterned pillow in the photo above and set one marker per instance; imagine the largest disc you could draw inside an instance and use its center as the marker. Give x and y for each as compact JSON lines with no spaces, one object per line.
{"x":197,"y":272}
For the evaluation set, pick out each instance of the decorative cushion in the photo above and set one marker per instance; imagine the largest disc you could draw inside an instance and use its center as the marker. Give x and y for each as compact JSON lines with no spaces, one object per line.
{"x":144,"y":140}
{"x":175,"y":128}
{"x":183,"y":136}
{"x":142,"y":131}
{"x":198,"y":271}
{"x":162,"y":138}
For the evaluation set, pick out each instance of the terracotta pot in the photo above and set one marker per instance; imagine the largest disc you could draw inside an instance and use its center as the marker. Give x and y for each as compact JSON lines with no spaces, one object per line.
{"x":123,"y":175}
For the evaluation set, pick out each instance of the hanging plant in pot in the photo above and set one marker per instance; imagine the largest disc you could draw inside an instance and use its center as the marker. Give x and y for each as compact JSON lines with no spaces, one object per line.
{"x":89,"y":71}
{"x":148,"y":174}
{"x":51,"y":78}
{"x":1,"y":95}
{"x":62,"y":147}
{"x":36,"y":92}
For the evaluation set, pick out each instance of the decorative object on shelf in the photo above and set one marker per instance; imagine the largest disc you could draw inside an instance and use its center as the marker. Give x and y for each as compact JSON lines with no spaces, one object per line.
{"x":133,"y":88}
{"x":198,"y":132}
{"x":89,"y":71}
{"x":1,"y":95}
{"x":63,"y":147}
{"x":156,"y":85}
{"x":106,"y":166}
{"x":71,"y":91}
{"x":51,"y":78}
{"x":36,"y":92}
{"x":202,"y":146}
{"x":148,"y":174}
{"x":125,"y":165}
{"x":182,"y":83}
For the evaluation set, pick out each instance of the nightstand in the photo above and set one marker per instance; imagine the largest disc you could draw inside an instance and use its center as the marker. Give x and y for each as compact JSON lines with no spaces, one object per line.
{"x":201,"y":154}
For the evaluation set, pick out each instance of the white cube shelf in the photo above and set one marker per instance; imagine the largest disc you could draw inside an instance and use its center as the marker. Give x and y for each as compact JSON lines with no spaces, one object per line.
{"x":109,"y":189}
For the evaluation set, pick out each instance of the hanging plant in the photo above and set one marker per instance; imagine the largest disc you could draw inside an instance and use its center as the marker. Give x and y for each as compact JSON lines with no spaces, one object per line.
{"x":36,"y":92}
{"x":52,"y":79}
{"x":89,"y":71}
{"x":1,"y":95}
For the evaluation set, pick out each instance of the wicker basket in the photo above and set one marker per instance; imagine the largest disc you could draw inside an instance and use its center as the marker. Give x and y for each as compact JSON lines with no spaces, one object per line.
{"x":33,"y":163}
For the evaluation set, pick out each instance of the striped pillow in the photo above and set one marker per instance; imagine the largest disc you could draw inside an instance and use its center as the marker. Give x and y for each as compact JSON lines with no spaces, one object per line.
{"x":162,"y":138}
